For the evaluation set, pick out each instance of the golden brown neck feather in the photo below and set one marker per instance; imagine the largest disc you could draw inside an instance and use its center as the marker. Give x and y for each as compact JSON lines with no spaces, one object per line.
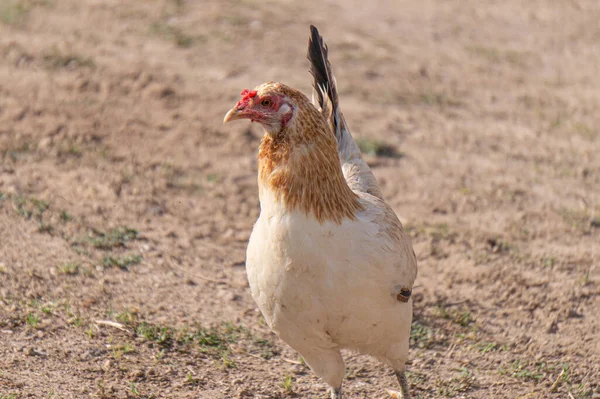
{"x":300,"y":165}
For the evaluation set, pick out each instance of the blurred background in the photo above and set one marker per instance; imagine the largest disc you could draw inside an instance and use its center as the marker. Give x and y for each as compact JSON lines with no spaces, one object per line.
{"x":126,"y":206}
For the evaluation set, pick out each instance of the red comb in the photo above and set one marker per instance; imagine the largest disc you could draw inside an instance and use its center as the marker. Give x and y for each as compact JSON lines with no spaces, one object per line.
{"x":246,"y":96}
{"x":248,"y":93}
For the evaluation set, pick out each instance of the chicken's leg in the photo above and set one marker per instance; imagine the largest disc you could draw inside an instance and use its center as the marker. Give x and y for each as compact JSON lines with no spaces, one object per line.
{"x":404,"y":391}
{"x":326,"y":362}
{"x":336,"y":393}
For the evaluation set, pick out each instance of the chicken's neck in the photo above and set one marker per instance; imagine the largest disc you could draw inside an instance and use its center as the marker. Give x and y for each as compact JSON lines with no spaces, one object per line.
{"x":303,"y":172}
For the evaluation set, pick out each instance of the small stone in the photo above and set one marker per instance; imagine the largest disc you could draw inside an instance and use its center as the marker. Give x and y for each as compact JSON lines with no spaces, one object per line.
{"x":256,"y":25}
{"x":298,"y":369}
{"x":553,"y":327}
{"x":138,"y":374}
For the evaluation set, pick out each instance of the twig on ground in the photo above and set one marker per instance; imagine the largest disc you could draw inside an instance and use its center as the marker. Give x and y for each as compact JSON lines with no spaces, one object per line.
{"x":557,"y":381}
{"x":114,"y":324}
{"x":291,"y":361}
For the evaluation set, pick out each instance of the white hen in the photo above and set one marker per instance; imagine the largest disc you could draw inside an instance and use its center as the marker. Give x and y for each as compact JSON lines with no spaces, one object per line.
{"x":328,"y":262}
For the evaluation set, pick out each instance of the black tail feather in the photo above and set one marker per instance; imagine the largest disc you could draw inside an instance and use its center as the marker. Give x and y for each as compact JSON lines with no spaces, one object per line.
{"x":324,"y":82}
{"x":356,"y":171}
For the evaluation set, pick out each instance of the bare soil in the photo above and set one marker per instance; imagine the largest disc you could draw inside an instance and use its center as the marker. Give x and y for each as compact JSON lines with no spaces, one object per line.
{"x":125,"y":205}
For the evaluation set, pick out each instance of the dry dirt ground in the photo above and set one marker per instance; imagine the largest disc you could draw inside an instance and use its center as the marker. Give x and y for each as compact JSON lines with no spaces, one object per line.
{"x":123,"y":198}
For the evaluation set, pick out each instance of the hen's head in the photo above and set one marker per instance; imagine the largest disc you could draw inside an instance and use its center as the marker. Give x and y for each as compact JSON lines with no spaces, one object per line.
{"x":271,"y":104}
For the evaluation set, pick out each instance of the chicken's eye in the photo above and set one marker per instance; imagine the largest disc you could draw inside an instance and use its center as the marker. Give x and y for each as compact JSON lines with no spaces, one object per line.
{"x":266,"y":102}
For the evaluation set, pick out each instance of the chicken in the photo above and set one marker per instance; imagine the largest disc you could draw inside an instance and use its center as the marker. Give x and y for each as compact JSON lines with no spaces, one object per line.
{"x":328,"y":262}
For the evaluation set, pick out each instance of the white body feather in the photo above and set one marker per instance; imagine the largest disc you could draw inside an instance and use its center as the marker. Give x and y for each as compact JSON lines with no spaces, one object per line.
{"x":322,"y":287}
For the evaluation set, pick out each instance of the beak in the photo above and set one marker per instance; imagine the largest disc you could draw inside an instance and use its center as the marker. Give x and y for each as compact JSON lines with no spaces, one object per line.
{"x":233,"y":114}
